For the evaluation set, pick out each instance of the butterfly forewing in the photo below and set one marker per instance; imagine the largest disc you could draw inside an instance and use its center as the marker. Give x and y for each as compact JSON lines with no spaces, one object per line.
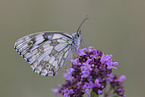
{"x":46,"y":51}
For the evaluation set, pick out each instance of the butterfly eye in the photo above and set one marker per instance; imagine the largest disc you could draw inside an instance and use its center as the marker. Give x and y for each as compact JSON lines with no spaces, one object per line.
{"x":78,"y":35}
{"x":30,"y":43}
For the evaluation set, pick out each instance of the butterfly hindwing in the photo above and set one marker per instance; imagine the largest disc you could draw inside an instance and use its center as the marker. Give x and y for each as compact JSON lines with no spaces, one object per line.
{"x":46,"y":51}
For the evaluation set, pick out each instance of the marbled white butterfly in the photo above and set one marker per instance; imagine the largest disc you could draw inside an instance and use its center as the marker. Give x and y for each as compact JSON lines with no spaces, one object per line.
{"x":48,"y":51}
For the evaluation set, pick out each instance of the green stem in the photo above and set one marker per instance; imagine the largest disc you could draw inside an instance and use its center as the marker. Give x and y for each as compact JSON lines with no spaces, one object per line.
{"x":93,"y":94}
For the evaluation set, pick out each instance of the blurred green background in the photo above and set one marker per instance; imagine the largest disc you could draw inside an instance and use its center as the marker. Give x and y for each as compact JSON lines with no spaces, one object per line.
{"x":116,"y":27}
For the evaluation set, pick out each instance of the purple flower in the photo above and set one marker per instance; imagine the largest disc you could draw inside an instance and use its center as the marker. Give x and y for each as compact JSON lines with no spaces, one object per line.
{"x":117,"y":85}
{"x":85,"y":70}
{"x":67,"y":76}
{"x":81,"y":52}
{"x":91,"y":70}
{"x":122,"y":78}
{"x":100,"y":91}
{"x":106,"y":59}
{"x":97,"y":84}
{"x":56,"y":91}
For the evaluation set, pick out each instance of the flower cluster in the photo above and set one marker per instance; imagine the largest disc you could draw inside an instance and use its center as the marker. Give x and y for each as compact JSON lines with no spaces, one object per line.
{"x":92,"y":70}
{"x":117,"y":85}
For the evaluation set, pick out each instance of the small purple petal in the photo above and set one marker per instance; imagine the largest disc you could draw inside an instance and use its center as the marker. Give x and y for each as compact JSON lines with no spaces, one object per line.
{"x":86,"y":91}
{"x":122,"y":78}
{"x":70,"y":70}
{"x":100,"y":92}
{"x":74,"y":61}
{"x":88,"y":61}
{"x":70,"y":91}
{"x":85,"y":70}
{"x":115,"y":63}
{"x":56,"y":91}
{"x":97,"y":84}
{"x":67,"y":76}
{"x":81,"y":52}
{"x":59,"y":86}
{"x":85,"y":85}
{"x":90,"y":85}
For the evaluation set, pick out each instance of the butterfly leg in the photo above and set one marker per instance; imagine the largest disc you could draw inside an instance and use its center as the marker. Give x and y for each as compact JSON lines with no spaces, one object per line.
{"x":83,"y":43}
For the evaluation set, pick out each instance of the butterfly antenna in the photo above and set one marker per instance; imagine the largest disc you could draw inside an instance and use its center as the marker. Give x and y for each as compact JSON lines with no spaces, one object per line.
{"x":84,"y":18}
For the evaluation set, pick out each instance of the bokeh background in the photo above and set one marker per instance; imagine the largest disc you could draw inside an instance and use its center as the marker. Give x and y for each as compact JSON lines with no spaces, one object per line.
{"x":116,"y":27}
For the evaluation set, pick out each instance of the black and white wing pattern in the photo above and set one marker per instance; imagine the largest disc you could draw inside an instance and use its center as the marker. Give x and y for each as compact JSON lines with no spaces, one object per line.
{"x":46,"y":51}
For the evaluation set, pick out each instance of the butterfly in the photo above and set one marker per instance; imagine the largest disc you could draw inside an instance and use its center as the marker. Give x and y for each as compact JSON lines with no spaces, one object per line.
{"x":48,"y":51}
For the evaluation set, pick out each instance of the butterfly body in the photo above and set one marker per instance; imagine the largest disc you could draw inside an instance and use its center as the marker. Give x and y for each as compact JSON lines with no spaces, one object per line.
{"x":48,"y":51}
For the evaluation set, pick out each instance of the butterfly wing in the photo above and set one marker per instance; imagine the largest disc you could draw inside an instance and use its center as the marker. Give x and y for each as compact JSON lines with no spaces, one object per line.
{"x":46,"y":51}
